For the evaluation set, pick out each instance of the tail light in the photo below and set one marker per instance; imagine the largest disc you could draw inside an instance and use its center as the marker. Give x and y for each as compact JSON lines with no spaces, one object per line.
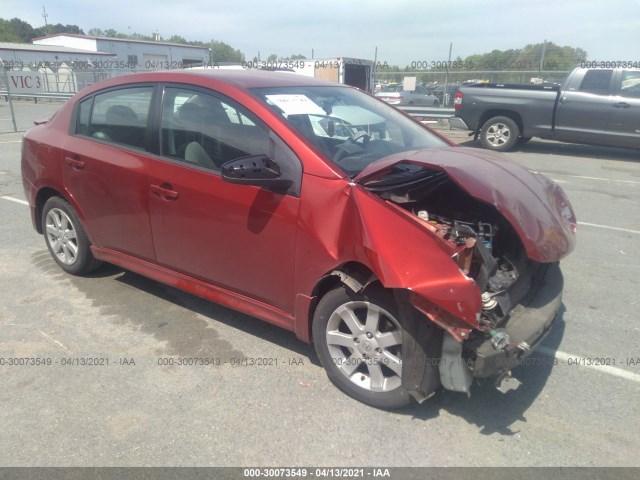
{"x":457,"y":100}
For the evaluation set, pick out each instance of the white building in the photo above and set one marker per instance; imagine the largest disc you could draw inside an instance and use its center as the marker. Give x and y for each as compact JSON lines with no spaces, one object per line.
{"x":26,"y":55}
{"x":138,"y":54}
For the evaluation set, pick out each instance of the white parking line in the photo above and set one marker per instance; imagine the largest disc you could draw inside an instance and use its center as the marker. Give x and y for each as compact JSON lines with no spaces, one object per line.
{"x":13,"y":141}
{"x":589,"y":363}
{"x":604,"y":179}
{"x":590,"y":178}
{"x":609,"y":228}
{"x":11,"y":199}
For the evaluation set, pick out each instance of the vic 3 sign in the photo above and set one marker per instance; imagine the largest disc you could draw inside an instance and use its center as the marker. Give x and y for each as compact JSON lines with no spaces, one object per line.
{"x":25,"y":82}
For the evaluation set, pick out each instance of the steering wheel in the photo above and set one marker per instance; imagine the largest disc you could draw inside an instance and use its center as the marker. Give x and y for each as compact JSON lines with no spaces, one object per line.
{"x":361,"y":135}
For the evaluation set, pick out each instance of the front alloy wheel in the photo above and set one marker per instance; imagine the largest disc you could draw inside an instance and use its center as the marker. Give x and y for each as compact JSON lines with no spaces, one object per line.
{"x":359,"y":341}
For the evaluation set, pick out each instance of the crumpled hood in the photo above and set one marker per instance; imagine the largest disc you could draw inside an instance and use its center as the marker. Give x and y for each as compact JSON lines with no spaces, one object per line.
{"x":529,"y":201}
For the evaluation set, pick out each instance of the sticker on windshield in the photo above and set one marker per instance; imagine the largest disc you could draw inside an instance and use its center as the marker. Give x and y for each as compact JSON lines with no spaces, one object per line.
{"x":295,"y":104}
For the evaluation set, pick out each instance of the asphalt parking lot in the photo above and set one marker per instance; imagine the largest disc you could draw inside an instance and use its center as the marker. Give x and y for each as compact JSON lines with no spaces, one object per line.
{"x":111,"y":398}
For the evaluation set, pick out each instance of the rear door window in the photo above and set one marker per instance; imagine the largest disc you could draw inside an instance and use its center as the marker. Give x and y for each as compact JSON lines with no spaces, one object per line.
{"x":118,"y":116}
{"x":596,"y":81}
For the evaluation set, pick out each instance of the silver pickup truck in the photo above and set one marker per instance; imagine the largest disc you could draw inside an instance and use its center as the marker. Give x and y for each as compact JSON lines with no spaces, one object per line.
{"x":599,"y":106}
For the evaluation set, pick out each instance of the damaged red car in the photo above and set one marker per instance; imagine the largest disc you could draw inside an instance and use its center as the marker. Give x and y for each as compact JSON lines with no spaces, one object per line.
{"x":410,"y":264}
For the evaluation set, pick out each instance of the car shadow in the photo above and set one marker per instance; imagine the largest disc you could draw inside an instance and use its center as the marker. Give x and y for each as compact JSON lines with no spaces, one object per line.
{"x":544,"y":147}
{"x":487,"y":408}
{"x":186,"y":324}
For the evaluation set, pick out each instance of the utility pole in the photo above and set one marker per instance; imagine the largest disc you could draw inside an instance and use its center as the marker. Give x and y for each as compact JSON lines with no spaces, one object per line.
{"x":445,"y":92}
{"x":372,"y":80}
{"x":9,"y":96}
{"x":544,"y":50}
{"x":45,"y":15}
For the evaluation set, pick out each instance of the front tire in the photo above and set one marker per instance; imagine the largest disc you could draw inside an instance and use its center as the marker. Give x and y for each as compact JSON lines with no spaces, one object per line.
{"x":65,"y":238}
{"x":499,"y":134}
{"x":358,"y":338}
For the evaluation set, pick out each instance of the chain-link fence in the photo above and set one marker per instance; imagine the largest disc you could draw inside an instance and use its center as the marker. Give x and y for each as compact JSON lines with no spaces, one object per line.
{"x":29,"y":93}
{"x":21,"y":102}
{"x":444,"y":85}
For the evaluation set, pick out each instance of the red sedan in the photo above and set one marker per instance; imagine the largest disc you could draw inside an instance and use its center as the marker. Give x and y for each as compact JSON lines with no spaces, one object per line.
{"x":409,"y":263}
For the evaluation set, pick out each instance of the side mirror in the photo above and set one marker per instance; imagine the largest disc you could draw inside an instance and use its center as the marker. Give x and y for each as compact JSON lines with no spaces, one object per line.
{"x":256,"y":170}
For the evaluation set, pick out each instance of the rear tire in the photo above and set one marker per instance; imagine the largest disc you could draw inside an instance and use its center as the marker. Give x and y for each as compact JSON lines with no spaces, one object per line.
{"x":499,"y":134}
{"x":358,"y":338}
{"x":65,"y":237}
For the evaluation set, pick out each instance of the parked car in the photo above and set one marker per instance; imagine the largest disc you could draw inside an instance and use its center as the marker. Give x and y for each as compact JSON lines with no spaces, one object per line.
{"x":446,"y":96}
{"x":599,"y":106}
{"x":396,"y":95}
{"x":409,"y":263}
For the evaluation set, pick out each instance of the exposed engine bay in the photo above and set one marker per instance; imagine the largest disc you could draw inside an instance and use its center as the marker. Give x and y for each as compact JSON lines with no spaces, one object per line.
{"x":486,"y":247}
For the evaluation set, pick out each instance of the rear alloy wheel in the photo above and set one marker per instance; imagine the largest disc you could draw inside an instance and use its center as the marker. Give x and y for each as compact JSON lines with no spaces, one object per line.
{"x":499,"y":134}
{"x":66,"y":240}
{"x":358,"y":338}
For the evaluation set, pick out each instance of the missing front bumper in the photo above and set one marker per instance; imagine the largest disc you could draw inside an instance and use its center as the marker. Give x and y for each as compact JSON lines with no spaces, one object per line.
{"x":530,"y":321}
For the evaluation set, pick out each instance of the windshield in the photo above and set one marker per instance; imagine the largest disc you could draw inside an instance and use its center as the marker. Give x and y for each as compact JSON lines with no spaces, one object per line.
{"x":349,"y":127}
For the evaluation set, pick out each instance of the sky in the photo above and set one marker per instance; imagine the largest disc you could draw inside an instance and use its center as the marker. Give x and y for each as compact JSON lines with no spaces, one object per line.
{"x":403,"y":31}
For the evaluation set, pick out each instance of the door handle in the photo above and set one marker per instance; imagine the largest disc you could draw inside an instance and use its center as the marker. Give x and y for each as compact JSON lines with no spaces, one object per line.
{"x":74,"y":163}
{"x":621,"y":105}
{"x":165,"y":191}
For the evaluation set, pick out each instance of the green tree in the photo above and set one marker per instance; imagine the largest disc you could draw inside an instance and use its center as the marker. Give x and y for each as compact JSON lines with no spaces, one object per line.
{"x":541,"y":57}
{"x":7,"y":34}
{"x":111,"y":33}
{"x":22,"y":29}
{"x":59,"y":28}
{"x":177,"y":39}
{"x":16,"y":30}
{"x":222,"y":52}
